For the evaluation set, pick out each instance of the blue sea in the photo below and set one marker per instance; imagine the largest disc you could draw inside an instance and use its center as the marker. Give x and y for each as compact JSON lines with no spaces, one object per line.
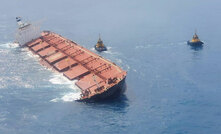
{"x":172,"y":88}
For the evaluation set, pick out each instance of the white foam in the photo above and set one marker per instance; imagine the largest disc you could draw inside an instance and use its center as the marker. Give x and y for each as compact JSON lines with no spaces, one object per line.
{"x":27,"y":85}
{"x":108,"y":52}
{"x":119,"y":61}
{"x":59,"y":79}
{"x":72,"y":95}
{"x":92,"y":49}
{"x":30,"y":54}
{"x":109,"y":48}
{"x":29,"y":116}
{"x":9,"y":45}
{"x":55,"y":100}
{"x":34,"y":117}
{"x":182,"y":43}
{"x":68,"y":97}
{"x":143,"y":46}
{"x":3,"y":116}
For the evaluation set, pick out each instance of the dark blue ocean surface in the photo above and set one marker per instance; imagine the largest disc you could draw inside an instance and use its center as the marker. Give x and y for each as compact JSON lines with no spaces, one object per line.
{"x":172,"y":88}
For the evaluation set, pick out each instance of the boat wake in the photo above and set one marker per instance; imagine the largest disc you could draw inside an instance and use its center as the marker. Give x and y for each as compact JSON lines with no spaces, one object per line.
{"x":110,"y":51}
{"x":166,"y":44}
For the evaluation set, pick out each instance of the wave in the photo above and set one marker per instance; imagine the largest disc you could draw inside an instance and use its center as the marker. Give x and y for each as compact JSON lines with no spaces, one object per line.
{"x":3,"y":115}
{"x":61,"y":80}
{"x":9,"y":45}
{"x":70,"y":91}
{"x":143,"y":46}
{"x":72,"y":95}
{"x":68,"y":97}
{"x":30,"y":54}
{"x":12,"y":81}
{"x":110,"y":51}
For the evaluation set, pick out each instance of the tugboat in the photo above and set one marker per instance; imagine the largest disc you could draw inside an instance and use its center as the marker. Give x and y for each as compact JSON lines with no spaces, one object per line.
{"x":195,"y":41}
{"x":100,"y":45}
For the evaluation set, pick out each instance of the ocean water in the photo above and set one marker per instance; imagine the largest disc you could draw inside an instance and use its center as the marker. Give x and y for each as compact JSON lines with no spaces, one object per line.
{"x":172,"y":88}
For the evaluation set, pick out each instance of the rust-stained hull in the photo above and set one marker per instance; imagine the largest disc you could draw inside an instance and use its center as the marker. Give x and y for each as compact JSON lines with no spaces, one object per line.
{"x":97,"y":77}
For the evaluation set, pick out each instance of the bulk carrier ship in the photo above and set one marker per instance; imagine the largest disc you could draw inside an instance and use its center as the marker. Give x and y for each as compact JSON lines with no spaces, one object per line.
{"x":97,"y":77}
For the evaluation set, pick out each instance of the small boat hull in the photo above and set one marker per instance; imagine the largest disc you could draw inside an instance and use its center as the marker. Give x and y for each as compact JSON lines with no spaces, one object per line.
{"x":199,"y":43}
{"x":100,"y":49}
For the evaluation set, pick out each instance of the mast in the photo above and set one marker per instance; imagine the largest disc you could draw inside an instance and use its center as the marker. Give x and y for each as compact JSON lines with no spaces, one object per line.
{"x":99,"y":36}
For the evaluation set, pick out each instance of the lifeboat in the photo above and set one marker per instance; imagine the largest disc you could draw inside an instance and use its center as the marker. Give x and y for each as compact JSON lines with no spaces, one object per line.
{"x":195,"y":41}
{"x":100,"y":45}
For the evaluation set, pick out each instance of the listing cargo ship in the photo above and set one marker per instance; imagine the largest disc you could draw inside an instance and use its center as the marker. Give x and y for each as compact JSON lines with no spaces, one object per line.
{"x":97,"y":77}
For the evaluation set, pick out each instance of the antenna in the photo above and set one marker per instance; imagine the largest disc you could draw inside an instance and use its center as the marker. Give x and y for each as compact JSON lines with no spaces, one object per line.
{"x":195,"y":31}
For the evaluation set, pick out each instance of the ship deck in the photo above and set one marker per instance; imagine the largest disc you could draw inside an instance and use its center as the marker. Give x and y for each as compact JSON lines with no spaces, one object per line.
{"x":94,"y":73}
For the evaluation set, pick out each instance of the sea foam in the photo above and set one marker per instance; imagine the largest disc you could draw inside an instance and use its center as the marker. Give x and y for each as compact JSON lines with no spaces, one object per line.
{"x":9,"y":45}
{"x":72,"y":95}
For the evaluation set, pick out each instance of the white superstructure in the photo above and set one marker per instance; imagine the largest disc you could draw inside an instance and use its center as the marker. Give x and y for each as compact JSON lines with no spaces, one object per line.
{"x":26,"y":32}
